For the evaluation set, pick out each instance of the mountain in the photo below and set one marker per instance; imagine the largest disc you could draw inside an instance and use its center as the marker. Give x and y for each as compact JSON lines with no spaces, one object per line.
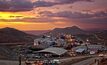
{"x":74,"y":30}
{"x":11,"y":35}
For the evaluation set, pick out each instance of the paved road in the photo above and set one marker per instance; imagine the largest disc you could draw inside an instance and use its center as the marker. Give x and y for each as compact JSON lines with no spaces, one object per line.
{"x":6,"y":62}
{"x":87,"y":62}
{"x":77,"y":57}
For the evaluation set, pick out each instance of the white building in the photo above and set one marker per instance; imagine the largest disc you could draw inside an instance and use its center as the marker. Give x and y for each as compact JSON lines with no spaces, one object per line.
{"x":48,"y":41}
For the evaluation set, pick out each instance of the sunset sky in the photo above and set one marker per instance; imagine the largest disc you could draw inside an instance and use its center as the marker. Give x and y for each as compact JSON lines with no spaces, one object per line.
{"x":50,"y":14}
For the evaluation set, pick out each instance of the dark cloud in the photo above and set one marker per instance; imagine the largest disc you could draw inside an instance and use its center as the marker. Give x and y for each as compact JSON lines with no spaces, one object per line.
{"x":44,"y":4}
{"x":71,"y":1}
{"x":56,"y":2}
{"x":15,"y":5}
{"x":26,"y":5}
{"x":23,"y":5}
{"x":96,"y":23}
{"x":4,"y":5}
{"x":99,"y":21}
{"x":74,"y":15}
{"x":97,"y":18}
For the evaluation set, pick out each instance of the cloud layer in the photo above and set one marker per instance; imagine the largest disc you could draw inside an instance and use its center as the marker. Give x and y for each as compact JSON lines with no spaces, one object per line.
{"x":27,"y":5}
{"x":15,"y":5}
{"x":75,"y":15}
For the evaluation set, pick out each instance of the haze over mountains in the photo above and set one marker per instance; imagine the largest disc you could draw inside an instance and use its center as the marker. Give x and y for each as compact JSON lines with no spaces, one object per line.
{"x":37,"y":32}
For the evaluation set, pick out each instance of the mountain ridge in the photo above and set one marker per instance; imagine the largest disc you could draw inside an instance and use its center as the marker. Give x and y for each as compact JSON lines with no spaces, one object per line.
{"x":12,"y":35}
{"x":68,"y":30}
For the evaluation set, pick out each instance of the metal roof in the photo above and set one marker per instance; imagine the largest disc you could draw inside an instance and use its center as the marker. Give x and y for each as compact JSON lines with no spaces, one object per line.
{"x":54,"y":50}
{"x":97,"y":47}
{"x":80,"y":50}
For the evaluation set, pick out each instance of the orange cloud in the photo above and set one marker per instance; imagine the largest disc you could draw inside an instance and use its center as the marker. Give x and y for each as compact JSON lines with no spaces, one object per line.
{"x":27,"y":25}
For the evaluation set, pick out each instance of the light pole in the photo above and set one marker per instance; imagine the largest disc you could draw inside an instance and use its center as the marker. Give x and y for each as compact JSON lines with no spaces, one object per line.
{"x":20,"y":59}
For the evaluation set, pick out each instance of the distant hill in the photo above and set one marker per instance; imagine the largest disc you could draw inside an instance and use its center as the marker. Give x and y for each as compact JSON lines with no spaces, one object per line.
{"x":11,"y":35}
{"x":102,"y":35}
{"x":74,"y":30}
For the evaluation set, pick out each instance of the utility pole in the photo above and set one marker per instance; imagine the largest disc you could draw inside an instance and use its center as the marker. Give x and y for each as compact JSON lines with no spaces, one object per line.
{"x":20,"y":59}
{"x":19,"y":55}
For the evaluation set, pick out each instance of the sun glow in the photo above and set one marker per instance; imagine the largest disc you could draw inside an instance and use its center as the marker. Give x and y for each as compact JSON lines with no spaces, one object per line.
{"x":9,"y":15}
